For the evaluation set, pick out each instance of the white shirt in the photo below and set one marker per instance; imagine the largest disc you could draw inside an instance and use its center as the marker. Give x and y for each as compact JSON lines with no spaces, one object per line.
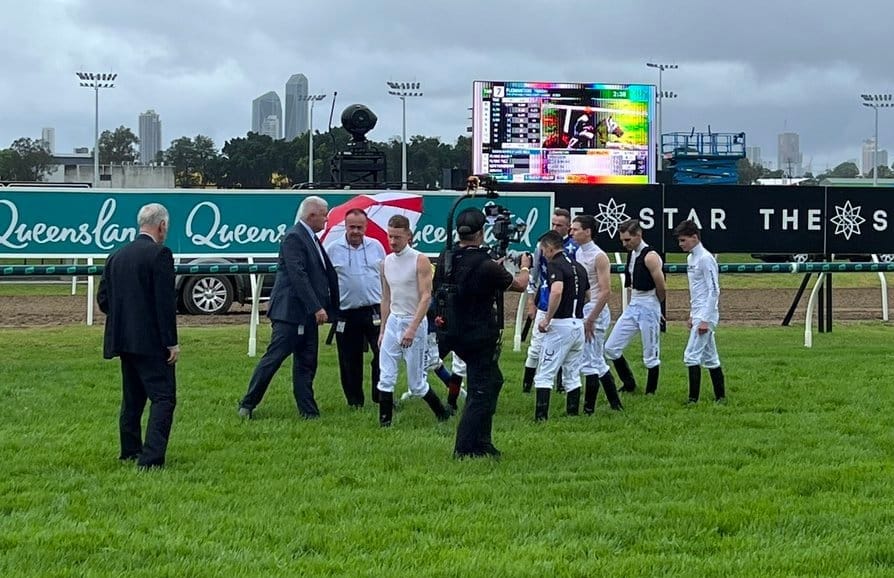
{"x":586,"y":255}
{"x":704,"y":285}
{"x":400,"y":272}
{"x":358,"y":270}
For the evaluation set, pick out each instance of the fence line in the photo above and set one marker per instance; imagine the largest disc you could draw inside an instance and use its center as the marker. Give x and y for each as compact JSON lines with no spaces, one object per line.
{"x":266,"y":268}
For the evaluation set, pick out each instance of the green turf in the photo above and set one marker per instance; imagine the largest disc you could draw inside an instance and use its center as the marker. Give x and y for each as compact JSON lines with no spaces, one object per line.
{"x":792,"y":477}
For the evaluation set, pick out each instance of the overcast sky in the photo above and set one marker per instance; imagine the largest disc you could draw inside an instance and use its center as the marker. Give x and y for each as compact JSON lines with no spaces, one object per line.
{"x":762,"y":67}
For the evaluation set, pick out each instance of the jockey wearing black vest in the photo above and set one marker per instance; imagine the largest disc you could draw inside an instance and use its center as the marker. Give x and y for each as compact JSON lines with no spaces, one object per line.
{"x":645,"y":278}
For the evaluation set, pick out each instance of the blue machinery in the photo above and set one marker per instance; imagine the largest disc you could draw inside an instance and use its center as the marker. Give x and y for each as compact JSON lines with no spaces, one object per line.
{"x":698,"y":158}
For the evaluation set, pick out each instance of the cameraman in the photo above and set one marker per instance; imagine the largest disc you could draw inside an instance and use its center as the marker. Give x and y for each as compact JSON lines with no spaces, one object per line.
{"x":479,"y":310}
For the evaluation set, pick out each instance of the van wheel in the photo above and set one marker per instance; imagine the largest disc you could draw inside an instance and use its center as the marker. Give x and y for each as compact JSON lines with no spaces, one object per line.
{"x":207,"y":295}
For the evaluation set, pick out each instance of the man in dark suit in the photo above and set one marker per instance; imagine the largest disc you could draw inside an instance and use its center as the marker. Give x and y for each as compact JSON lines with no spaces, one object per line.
{"x":304,"y":296}
{"x":137,"y":295}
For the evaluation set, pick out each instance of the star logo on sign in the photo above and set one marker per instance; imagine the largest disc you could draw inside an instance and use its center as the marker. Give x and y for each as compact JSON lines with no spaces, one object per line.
{"x":847,"y":220}
{"x":611,"y":215}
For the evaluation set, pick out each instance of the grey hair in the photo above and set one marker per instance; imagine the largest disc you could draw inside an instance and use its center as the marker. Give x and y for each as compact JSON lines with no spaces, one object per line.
{"x":311,"y":202}
{"x":152,"y":215}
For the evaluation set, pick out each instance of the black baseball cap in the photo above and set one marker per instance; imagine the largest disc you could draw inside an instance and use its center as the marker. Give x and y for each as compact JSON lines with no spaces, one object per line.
{"x":470,"y":221}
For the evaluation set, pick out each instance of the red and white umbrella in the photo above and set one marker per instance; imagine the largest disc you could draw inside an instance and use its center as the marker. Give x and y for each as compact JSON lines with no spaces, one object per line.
{"x":379,"y":208}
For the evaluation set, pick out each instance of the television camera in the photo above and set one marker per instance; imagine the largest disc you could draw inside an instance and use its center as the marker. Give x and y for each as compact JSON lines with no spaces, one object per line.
{"x":505,"y":227}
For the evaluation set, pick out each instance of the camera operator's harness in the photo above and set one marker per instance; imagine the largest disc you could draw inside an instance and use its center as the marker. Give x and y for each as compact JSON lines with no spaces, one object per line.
{"x":447,"y":315}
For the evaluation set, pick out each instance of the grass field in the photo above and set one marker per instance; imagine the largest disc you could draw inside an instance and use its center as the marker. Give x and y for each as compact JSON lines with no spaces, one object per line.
{"x":792,"y":477}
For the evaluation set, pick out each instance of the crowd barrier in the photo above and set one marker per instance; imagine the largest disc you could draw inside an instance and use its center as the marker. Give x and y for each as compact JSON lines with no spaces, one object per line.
{"x":257,"y":271}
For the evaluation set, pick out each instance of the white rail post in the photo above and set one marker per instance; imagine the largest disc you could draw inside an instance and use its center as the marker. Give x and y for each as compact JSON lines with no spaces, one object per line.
{"x":811,"y":304}
{"x":90,"y":297}
{"x":884,"y":281}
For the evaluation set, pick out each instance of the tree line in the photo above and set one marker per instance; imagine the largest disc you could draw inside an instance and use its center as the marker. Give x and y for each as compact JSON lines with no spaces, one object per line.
{"x":750,"y":172}
{"x":257,"y":161}
{"x":254,"y":161}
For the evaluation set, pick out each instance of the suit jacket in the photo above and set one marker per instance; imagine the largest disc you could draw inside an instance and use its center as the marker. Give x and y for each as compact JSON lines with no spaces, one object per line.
{"x":138,"y":297}
{"x":304,"y":284}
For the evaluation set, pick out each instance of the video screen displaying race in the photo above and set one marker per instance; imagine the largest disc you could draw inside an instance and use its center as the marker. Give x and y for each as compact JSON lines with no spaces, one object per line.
{"x":563,"y":132}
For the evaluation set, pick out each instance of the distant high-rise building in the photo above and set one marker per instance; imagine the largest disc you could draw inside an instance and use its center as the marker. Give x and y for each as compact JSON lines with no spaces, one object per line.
{"x":150,"y":137}
{"x":271,"y":127}
{"x":262,"y":108}
{"x":788,"y":155}
{"x":296,"y":106}
{"x":753,"y":154}
{"x":868,"y":150}
{"x":48,"y":136}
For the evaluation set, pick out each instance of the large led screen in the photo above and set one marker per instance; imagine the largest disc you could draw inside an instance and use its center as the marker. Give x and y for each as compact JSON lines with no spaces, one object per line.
{"x":560,"y":132}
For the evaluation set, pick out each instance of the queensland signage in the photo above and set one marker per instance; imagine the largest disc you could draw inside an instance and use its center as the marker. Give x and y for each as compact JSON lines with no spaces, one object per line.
{"x":742,"y":219}
{"x":93,"y":223}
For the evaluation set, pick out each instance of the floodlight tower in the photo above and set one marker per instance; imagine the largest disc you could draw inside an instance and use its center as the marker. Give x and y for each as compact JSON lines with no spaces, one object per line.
{"x":96,"y":80}
{"x":311,"y":99}
{"x":402,"y":90}
{"x":875,"y":102}
{"x":661,"y":96}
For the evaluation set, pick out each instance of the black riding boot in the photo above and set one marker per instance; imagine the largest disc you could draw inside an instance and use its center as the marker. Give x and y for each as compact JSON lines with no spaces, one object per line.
{"x":434,"y":402}
{"x":695,"y":382}
{"x":454,"y":387}
{"x":572,"y":402}
{"x":652,"y":380}
{"x":591,"y":390}
{"x":528,"y":379}
{"x":628,"y":382}
{"x":719,"y":383}
{"x":541,"y":409}
{"x":386,"y":408}
{"x":611,"y":391}
{"x":560,"y":387}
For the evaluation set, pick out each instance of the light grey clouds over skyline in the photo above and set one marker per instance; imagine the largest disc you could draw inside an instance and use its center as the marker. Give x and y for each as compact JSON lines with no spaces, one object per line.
{"x":761,"y":68}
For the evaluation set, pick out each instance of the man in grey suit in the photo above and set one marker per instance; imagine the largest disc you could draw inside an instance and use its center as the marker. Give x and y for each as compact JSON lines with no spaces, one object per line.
{"x":305,"y":296}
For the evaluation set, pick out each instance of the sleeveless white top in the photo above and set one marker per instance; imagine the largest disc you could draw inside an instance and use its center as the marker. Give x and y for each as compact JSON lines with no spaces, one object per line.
{"x":586,"y":256}
{"x":400,"y":272}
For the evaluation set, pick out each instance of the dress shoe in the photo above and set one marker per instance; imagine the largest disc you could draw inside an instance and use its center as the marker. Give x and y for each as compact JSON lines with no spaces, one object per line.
{"x":487,"y":451}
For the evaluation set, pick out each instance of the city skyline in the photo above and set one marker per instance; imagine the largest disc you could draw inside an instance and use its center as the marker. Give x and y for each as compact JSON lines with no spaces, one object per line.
{"x":296,"y":107}
{"x":262,"y":108}
{"x":733,"y":83}
{"x":150,"y":137}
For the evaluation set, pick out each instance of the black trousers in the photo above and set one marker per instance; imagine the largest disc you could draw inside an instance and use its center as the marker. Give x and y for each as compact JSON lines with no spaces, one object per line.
{"x":302,"y":343}
{"x":359,"y":327}
{"x":484,"y":380}
{"x":146,"y":377}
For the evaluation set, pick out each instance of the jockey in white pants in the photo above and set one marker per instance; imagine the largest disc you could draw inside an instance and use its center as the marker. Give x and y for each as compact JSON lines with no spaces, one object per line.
{"x":597,"y":316}
{"x":704,"y":314}
{"x":406,"y":295}
{"x":434,"y":364}
{"x":645,"y":277}
{"x":538,"y":293}
{"x":562,"y":326}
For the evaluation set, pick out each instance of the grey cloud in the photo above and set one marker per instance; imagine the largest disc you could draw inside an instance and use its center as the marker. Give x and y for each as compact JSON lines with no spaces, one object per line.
{"x":756,"y":67}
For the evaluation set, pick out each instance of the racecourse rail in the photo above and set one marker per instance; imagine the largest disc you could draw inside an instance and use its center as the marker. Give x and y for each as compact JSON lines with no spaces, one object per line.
{"x":256,"y":270}
{"x":267,"y":268}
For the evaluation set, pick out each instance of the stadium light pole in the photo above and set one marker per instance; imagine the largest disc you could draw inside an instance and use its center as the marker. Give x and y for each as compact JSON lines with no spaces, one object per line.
{"x":661,"y":68}
{"x":402,"y":90}
{"x":875,"y":102}
{"x":96,"y":80}
{"x":311,"y":99}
